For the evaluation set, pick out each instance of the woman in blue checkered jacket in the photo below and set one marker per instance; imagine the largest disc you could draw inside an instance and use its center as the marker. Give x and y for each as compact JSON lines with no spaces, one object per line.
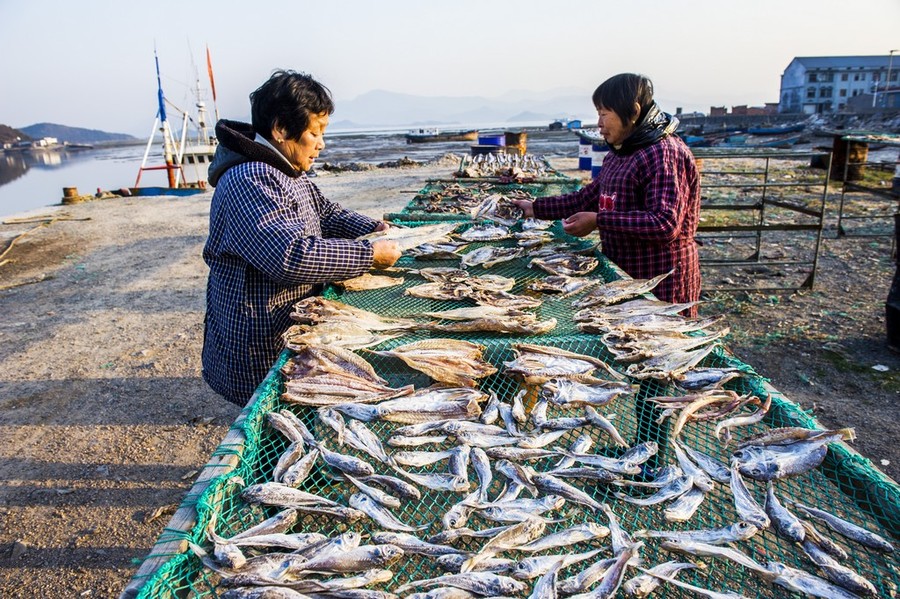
{"x":273,"y":237}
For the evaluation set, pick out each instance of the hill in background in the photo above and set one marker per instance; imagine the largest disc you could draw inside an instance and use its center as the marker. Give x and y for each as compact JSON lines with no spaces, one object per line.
{"x":73,"y":134}
{"x":9,"y":135}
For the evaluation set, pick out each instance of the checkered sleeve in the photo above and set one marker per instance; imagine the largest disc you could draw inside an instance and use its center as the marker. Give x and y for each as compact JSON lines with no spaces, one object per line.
{"x":275,"y":230}
{"x":660,"y":217}
{"x":338,"y":221}
{"x":563,"y":206}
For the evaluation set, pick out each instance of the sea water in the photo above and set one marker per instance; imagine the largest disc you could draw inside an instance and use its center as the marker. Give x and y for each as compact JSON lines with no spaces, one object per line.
{"x":30,"y":181}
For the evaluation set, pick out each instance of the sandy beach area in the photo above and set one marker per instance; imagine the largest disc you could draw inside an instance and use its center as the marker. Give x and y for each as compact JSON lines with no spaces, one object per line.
{"x":107,"y":423}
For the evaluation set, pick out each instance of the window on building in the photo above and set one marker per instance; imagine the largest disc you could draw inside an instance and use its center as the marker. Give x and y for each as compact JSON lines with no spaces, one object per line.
{"x":826,"y":77}
{"x":893,"y":76}
{"x":843,"y":93}
{"x":810,"y":93}
{"x":813,"y":77}
{"x":825,"y":92}
{"x":876,"y":76}
{"x":843,"y":76}
{"x":856,"y":76}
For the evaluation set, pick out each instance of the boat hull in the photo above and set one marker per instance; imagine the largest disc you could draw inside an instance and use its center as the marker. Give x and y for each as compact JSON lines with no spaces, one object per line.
{"x":417,"y":138}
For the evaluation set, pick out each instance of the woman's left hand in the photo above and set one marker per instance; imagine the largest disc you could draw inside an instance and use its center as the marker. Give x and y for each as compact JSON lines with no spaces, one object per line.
{"x":381,"y":226}
{"x":580,"y":223}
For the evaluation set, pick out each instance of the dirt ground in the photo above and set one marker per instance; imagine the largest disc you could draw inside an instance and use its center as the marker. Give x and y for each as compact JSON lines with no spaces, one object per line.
{"x":106,"y":421}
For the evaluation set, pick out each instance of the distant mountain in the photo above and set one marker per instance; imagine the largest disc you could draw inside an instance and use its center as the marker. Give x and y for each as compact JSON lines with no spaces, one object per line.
{"x":382,"y":108}
{"x":73,"y":134}
{"x":9,"y":135}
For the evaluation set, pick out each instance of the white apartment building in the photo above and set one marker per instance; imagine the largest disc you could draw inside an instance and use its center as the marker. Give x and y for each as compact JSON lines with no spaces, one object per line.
{"x":824,"y":84}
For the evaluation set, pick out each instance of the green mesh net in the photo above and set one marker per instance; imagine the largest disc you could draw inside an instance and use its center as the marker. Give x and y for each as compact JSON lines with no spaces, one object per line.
{"x":846,"y":484}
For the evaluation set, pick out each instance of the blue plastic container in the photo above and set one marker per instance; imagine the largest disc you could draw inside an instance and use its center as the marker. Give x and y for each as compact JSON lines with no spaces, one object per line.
{"x":598,"y":151}
{"x":492,"y":140}
{"x":584,"y":154}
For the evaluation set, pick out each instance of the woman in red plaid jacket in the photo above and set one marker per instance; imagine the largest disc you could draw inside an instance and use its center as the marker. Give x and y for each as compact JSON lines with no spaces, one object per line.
{"x":646,"y":200}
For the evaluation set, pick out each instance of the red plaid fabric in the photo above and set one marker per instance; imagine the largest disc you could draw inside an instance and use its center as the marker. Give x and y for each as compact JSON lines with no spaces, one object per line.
{"x":650,"y":227}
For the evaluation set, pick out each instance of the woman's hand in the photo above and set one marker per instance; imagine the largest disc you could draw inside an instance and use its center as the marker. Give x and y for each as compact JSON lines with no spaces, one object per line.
{"x":527,"y":207}
{"x":580,"y":223}
{"x":385,"y":253}
{"x":381,"y":226}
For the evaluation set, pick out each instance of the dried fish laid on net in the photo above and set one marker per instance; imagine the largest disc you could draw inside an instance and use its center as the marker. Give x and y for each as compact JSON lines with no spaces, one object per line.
{"x":451,"y":361}
{"x":700,"y":407}
{"x":537,"y":364}
{"x":532,"y":224}
{"x":532,"y":238}
{"x":764,"y":458}
{"x":485,"y":233}
{"x":439,"y":291}
{"x":498,"y":208}
{"x":344,"y":334}
{"x":325,"y":375}
{"x":408,"y":238}
{"x":367,"y":282}
{"x":629,"y":310}
{"x":670,"y":366}
{"x":633,"y":346}
{"x":442,"y":274}
{"x":425,"y":405}
{"x":319,"y":310}
{"x":565,"y":264}
{"x":564,"y":285}
{"x":618,"y":291}
{"x":504,"y":299}
{"x":489,"y":318}
{"x":488,"y":256}
{"x":445,"y":250}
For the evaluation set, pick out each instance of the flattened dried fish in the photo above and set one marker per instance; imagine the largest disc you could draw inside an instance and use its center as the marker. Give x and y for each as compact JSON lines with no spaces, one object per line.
{"x":408,"y":238}
{"x":488,"y":256}
{"x":317,"y":310}
{"x":566,"y":264}
{"x":380,"y":514}
{"x":447,"y":250}
{"x":564,"y":285}
{"x":485,"y":233}
{"x":618,"y":291}
{"x":451,"y":361}
{"x":537,"y":364}
{"x":428,"y":404}
{"x":368,"y":282}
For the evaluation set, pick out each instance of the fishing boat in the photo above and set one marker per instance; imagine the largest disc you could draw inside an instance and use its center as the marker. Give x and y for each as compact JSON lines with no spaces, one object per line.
{"x":418,"y":136}
{"x":185,"y":161}
{"x":776,"y":130}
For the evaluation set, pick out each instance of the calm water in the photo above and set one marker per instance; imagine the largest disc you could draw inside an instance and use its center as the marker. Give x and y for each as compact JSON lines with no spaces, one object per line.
{"x":30,"y":181}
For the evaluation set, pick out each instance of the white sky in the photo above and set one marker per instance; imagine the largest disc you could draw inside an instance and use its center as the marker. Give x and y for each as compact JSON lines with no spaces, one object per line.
{"x":89,"y":63}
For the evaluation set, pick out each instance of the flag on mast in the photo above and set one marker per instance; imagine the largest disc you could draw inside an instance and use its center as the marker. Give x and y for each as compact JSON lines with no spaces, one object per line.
{"x":212,"y":81}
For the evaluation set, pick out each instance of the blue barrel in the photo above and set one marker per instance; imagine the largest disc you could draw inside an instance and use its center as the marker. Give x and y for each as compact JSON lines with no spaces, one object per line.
{"x":598,"y":151}
{"x":492,"y":140}
{"x":584,"y":154}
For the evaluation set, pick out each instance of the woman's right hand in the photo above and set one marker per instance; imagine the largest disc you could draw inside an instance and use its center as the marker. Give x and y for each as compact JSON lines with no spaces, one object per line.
{"x":527,"y":207}
{"x":385,"y":253}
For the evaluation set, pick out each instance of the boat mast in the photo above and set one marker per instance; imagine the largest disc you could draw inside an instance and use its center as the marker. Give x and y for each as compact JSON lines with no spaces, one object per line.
{"x":212,"y":82}
{"x":161,"y":120}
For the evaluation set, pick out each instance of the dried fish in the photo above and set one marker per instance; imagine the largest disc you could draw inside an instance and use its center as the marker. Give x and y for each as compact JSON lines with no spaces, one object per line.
{"x":784,"y":523}
{"x":488,"y":256}
{"x":565,"y":264}
{"x":378,"y":495}
{"x":451,"y":361}
{"x":739,"y":531}
{"x":428,"y":404}
{"x":864,"y":537}
{"x":368,"y":282}
{"x":537,"y":364}
{"x":569,"y":393}
{"x":408,"y":238}
{"x":446,"y":250}
{"x":570,"y":536}
{"x":533,"y":567}
{"x":380,"y":514}
{"x":564,"y":285}
{"x":619,"y":290}
{"x":411,"y":543}
{"x":805,"y":583}
{"x":485,"y":233}
{"x":673,"y":490}
{"x":643,"y":585}
{"x":747,"y":507}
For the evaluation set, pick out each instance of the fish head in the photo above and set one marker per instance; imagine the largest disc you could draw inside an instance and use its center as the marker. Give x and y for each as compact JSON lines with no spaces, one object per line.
{"x":760,"y":469}
{"x":745,"y":529}
{"x":387,"y":554}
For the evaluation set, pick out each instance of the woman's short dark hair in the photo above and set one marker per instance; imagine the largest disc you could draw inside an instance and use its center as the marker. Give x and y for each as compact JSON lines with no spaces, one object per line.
{"x":620,"y":92}
{"x":287,"y":100}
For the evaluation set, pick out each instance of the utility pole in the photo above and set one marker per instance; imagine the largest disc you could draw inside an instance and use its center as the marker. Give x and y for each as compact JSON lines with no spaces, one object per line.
{"x":888,"y":82}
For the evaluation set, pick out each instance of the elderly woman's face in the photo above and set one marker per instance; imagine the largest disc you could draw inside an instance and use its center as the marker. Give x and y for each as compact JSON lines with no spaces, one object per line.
{"x":611,"y":126}
{"x":303,"y":152}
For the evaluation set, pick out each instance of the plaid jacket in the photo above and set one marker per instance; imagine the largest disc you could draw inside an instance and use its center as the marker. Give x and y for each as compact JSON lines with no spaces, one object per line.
{"x":651,"y":209}
{"x":273,"y":240}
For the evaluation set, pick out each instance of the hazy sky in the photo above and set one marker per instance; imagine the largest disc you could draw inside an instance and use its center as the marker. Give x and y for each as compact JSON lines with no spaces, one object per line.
{"x":89,"y":63}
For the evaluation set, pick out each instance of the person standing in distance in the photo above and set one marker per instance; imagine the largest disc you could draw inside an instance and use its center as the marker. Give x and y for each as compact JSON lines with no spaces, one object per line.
{"x":645,"y":202}
{"x":274,"y":239}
